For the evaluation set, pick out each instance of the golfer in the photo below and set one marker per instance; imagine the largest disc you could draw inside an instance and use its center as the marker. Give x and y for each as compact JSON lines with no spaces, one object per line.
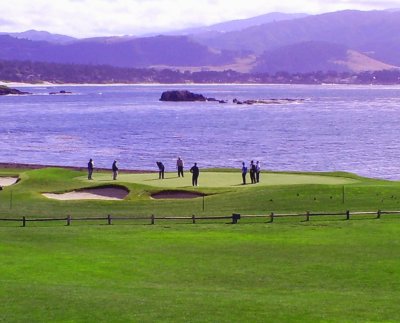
{"x":195,"y":174}
{"x":90,"y":167}
{"x":161,"y":169}
{"x":179,"y":165}
{"x":244,"y":173}
{"x":258,"y":171}
{"x":114,"y":170}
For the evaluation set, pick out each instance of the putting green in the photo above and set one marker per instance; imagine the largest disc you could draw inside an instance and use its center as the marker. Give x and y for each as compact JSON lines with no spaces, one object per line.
{"x":221,"y":179}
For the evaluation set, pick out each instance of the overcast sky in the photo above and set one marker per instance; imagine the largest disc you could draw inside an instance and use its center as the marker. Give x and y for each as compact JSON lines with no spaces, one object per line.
{"x":87,"y":18}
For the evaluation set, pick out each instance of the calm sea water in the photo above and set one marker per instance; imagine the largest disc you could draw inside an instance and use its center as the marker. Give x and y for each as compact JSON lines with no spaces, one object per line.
{"x":347,"y":128}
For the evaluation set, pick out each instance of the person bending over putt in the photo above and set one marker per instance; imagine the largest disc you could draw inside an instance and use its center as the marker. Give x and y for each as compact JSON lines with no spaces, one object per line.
{"x":161,"y":169}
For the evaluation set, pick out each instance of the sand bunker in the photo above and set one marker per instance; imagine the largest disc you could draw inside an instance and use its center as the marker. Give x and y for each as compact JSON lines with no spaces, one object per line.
{"x":176,"y":195}
{"x":109,"y":193}
{"x":7,"y":181}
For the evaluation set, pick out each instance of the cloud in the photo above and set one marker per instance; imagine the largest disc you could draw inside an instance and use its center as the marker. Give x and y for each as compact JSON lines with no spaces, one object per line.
{"x":6,"y":22}
{"x":84,"y":18}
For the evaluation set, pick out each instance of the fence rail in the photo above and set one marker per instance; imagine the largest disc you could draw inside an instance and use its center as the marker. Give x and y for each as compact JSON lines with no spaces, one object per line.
{"x":235,"y":217}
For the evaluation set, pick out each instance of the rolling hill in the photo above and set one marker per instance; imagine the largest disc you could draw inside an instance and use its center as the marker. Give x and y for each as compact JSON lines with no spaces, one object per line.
{"x":352,"y":28}
{"x":314,"y":56}
{"x":340,"y":41}
{"x":36,"y":35}
{"x":375,"y":34}
{"x":137,"y":52}
{"x":240,"y":24}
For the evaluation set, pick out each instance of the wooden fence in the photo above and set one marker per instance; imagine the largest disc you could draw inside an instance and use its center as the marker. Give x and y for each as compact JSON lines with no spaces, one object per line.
{"x":307,"y":215}
{"x":234,"y":218}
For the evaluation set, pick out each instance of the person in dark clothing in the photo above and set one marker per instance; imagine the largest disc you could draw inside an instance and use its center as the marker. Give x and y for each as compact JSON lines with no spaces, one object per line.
{"x":252,"y":172}
{"x":258,"y":171}
{"x":161,"y":169}
{"x":90,"y":167}
{"x":114,"y":170}
{"x":179,"y":165}
{"x":244,"y":173}
{"x":195,"y":174}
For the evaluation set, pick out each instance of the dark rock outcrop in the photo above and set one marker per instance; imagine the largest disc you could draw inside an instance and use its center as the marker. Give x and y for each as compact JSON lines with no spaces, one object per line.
{"x":268,"y":101}
{"x":215,"y":100}
{"x":187,"y":96}
{"x":5,"y":90}
{"x":183,"y":95}
{"x":60,"y":92}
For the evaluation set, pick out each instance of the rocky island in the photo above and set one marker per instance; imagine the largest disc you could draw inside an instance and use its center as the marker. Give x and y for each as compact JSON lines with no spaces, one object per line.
{"x":181,"y":95}
{"x":60,"y":92}
{"x":187,"y":96}
{"x":5,"y":90}
{"x":267,"y":101}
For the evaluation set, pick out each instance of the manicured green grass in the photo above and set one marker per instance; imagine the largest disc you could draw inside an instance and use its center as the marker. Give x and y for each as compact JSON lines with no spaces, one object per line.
{"x":224,"y":179}
{"x":277,"y":192}
{"x":324,"y":270}
{"x":320,"y":271}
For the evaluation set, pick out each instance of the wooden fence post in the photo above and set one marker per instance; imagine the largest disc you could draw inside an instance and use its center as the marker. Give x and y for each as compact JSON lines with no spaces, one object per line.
{"x":271,"y":217}
{"x":152,"y":219}
{"x":235,"y":218}
{"x":68,"y":220}
{"x":109,"y":220}
{"x":347,"y":215}
{"x":378,"y":214}
{"x":194,"y":219}
{"x":23,"y":221}
{"x":308,"y":216}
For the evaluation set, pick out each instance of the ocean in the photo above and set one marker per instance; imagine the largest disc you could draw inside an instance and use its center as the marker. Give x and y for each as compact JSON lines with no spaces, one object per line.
{"x":328,"y":127}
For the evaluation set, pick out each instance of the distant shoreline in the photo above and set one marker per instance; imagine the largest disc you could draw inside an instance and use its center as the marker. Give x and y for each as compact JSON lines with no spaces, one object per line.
{"x":44,"y":85}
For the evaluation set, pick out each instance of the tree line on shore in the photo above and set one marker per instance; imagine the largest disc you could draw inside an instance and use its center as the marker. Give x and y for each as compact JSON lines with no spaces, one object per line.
{"x":39,"y":72}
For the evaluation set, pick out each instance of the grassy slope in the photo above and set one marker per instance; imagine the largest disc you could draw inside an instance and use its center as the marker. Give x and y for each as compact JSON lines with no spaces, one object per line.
{"x":289,"y":271}
{"x":360,"y":194}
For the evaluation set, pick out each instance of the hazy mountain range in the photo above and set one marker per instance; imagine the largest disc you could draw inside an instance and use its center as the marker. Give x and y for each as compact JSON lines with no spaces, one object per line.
{"x":41,"y":36}
{"x":352,"y":41}
{"x":240,"y":24}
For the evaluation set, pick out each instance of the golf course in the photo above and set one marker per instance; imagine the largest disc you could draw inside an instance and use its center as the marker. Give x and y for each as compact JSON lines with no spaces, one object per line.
{"x":327,"y":269}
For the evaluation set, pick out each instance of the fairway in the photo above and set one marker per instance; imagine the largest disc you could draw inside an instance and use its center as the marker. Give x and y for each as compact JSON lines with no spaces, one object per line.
{"x":319,"y":271}
{"x":222,"y":179}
